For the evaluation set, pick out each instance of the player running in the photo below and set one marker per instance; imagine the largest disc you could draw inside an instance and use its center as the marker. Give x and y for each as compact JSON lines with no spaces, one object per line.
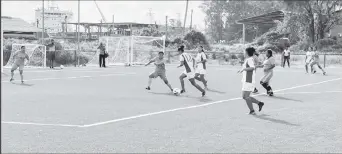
{"x":268,"y":66}
{"x":189,"y":63}
{"x":256,"y":62}
{"x":201,"y":60}
{"x":248,"y":81}
{"x":308,"y":59}
{"x":315,"y":61}
{"x":159,"y":71}
{"x":19,"y":57}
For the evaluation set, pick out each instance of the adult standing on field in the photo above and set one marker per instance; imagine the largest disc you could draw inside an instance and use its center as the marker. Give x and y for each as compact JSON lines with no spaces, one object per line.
{"x":102,"y":57}
{"x":51,"y":48}
{"x":286,"y":55}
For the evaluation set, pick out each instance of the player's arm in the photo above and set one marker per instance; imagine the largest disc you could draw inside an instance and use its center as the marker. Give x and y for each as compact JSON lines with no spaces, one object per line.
{"x":181,"y":64}
{"x":181,"y":59}
{"x":151,"y":61}
{"x":204,"y":58}
{"x":250,"y":68}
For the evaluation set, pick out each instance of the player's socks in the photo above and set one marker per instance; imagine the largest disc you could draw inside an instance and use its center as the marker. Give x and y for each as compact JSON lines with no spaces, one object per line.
{"x":148,"y":88}
{"x":324,"y":73}
{"x":11,"y":79}
{"x":252,"y":112}
{"x":261,"y":104}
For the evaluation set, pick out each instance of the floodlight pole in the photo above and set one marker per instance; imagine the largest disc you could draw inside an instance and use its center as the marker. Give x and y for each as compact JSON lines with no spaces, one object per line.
{"x":43,"y":25}
{"x":2,"y":44}
{"x":78,"y":34}
{"x":243,"y":33}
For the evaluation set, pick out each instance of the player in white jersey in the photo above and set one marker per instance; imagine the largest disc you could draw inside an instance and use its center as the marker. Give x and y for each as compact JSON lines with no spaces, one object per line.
{"x":268,"y":66}
{"x":19,"y":61}
{"x":308,"y":58}
{"x":189,"y":64}
{"x":248,"y":81}
{"x":315,"y":61}
{"x":159,"y":71}
{"x":201,"y":66}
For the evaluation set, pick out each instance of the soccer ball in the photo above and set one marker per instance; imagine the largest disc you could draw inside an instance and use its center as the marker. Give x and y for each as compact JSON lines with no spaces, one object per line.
{"x":176,"y":91}
{"x":61,"y":66}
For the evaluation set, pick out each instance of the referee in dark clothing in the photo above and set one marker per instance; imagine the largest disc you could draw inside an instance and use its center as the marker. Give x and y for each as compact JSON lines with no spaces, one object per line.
{"x":51,"y":54}
{"x":102,"y":58}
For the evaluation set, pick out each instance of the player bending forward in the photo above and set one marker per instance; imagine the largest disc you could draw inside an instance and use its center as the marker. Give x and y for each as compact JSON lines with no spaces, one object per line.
{"x":189,"y":63}
{"x":201,"y":60}
{"x":19,"y":57}
{"x":268,"y":66}
{"x":315,"y":61}
{"x":248,"y":81}
{"x":159,"y":71}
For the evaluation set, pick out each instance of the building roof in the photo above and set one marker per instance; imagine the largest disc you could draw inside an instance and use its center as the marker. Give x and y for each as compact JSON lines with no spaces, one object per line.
{"x":11,"y":24}
{"x":267,"y":18}
{"x":115,"y":24}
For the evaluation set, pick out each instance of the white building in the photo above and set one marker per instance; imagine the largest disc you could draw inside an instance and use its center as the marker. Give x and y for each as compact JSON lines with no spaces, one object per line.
{"x":53,"y":19}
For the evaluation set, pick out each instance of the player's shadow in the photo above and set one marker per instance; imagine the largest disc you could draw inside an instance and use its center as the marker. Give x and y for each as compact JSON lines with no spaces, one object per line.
{"x":266,"y":117}
{"x":215,"y":91}
{"x":201,"y":99}
{"x":282,"y":98}
{"x":23,"y":84}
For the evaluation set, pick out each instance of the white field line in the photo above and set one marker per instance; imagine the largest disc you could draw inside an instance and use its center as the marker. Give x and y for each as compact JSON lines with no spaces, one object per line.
{"x":75,"y":77}
{"x":196,"y":106}
{"x":166,"y":111}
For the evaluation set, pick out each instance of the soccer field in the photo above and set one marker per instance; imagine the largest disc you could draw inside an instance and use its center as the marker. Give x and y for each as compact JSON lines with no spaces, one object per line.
{"x":88,"y":110}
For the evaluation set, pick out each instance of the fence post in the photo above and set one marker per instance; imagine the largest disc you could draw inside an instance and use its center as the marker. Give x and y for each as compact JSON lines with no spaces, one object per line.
{"x":324,"y":59}
{"x":75,"y":58}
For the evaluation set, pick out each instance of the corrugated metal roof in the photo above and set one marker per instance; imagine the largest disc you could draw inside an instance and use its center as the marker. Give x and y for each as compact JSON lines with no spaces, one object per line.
{"x":11,"y":24}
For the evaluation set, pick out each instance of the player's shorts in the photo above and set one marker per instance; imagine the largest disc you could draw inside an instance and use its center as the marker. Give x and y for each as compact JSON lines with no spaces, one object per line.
{"x":15,"y":66}
{"x":314,"y":63}
{"x":161,"y":74}
{"x":248,"y":86}
{"x":267,"y":77}
{"x":51,"y":55}
{"x":189,"y":75}
{"x":200,"y":71}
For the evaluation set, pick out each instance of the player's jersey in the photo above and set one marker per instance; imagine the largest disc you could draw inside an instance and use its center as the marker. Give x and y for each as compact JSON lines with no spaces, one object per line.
{"x":20,"y":58}
{"x":160,"y":64}
{"x":315,"y":57}
{"x":248,"y":76}
{"x":189,"y":62}
{"x":200,"y":57}
{"x":309,"y":55}
{"x":268,"y":64}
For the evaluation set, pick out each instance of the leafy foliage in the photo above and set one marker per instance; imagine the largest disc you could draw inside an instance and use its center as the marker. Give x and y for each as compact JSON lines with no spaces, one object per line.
{"x":195,"y":39}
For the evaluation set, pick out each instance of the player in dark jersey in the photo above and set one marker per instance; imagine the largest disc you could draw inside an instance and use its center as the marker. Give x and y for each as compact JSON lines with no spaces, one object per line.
{"x":159,"y":71}
{"x":189,"y":64}
{"x":19,"y":58}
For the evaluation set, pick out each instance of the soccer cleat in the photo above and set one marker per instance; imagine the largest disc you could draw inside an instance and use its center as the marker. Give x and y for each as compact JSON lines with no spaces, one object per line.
{"x":203,"y":93}
{"x":270,"y":93}
{"x":261,"y":104}
{"x":324,"y":73}
{"x":182,"y":91}
{"x":255,"y":90}
{"x":252,"y":112}
{"x":314,"y":72}
{"x":148,"y":88}
{"x":22,"y":82}
{"x":11,"y":79}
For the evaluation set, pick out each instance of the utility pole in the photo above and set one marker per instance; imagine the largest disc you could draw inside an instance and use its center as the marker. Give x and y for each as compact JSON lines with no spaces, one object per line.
{"x":113,"y":25}
{"x":150,"y":14}
{"x":43,"y":26}
{"x":166,"y":23}
{"x":191,"y":19}
{"x":78,"y":33}
{"x":186,"y":13}
{"x":2,"y":44}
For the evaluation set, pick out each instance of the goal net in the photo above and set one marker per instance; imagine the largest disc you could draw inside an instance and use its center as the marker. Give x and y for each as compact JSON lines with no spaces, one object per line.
{"x":36,"y":53}
{"x":129,"y":50}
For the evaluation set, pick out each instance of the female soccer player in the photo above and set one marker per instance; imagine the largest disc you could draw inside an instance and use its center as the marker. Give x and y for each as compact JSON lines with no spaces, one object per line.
{"x":19,"y":57}
{"x":201,"y":60}
{"x":268,"y":66}
{"x":248,"y":81}
{"x":315,"y":61}
{"x":189,"y":63}
{"x":308,"y":59}
{"x":159,"y":71}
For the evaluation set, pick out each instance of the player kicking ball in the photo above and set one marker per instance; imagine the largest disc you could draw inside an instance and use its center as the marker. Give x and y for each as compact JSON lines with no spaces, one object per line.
{"x":189,"y":63}
{"x":159,"y":71}
{"x":248,"y":81}
{"x":315,"y":61}
{"x":19,"y":61}
{"x":268,"y":66}
{"x":201,"y":60}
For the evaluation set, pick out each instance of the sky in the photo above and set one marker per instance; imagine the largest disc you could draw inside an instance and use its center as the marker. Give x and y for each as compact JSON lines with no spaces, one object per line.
{"x":123,"y":11}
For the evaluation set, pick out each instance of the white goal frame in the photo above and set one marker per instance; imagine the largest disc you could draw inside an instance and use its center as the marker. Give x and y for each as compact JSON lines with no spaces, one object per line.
{"x":129,"y":49}
{"x":35,"y":46}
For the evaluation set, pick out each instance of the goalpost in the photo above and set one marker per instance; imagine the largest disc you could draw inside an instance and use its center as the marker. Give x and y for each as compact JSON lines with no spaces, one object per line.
{"x":36,"y":53}
{"x":129,"y":50}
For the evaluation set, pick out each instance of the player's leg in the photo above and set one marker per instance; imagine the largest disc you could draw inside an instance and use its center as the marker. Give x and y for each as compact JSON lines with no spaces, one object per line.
{"x":284,"y":61}
{"x":181,"y":78}
{"x":245,"y":96}
{"x":204,"y":81}
{"x":306,"y":67}
{"x":313,"y":70}
{"x":193,"y":82}
{"x":247,"y":88}
{"x":100,"y":60}
{"x":52,"y":58}
{"x":21,"y":70}
{"x":104,"y":61}
{"x":197,"y":76}
{"x":150,"y":77}
{"x":163,"y":77}
{"x":14,"y":67}
{"x":320,"y":67}
{"x":288,"y":61}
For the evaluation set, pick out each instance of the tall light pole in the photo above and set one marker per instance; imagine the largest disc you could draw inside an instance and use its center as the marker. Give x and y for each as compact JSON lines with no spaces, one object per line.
{"x":43,"y":26}
{"x":186,"y":13}
{"x":2,"y":44}
{"x":78,"y":32}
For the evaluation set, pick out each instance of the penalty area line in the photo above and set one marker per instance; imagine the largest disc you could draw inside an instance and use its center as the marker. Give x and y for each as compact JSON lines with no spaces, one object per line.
{"x":198,"y":106}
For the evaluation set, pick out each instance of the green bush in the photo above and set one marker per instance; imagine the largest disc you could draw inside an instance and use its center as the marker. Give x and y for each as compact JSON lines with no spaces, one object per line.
{"x":194,"y":38}
{"x":325,"y":43}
